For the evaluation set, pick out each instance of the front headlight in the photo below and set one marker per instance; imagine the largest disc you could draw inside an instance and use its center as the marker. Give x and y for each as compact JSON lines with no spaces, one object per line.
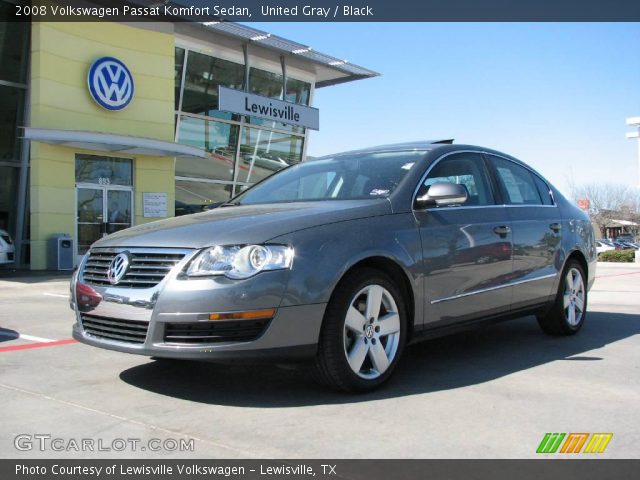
{"x":240,"y":261}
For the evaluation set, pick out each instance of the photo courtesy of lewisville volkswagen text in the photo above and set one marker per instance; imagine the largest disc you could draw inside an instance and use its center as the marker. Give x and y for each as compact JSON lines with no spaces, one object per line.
{"x":319,"y":239}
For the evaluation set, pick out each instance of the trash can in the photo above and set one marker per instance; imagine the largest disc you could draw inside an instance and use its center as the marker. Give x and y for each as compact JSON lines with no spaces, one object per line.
{"x":60,"y":252}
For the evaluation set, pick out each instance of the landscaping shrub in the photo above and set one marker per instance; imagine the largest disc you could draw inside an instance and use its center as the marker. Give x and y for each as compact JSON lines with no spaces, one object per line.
{"x":617,"y":256}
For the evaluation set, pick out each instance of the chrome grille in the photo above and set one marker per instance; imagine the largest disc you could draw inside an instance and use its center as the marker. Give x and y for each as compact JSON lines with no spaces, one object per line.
{"x":146,"y":270}
{"x":130,"y":331}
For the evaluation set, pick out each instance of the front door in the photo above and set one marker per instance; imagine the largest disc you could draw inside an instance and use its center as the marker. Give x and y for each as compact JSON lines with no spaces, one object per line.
{"x":467,"y":248}
{"x":104,"y":196}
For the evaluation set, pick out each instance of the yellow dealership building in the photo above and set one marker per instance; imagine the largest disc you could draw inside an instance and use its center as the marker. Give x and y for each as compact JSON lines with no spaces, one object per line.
{"x":107,"y":125}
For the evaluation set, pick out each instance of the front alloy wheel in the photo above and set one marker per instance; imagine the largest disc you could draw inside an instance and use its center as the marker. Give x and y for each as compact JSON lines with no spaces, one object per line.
{"x":363,"y":332}
{"x":371,"y":332}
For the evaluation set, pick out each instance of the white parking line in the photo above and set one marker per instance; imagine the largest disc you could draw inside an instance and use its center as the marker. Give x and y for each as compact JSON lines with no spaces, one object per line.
{"x":31,"y":338}
{"x":55,"y":295}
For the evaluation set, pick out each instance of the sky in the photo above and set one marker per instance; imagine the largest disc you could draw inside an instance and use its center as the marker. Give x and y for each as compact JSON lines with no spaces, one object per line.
{"x":555,"y":95}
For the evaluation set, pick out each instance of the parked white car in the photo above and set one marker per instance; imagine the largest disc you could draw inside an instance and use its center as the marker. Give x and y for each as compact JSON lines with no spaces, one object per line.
{"x":604,"y":247}
{"x":7,"y":248}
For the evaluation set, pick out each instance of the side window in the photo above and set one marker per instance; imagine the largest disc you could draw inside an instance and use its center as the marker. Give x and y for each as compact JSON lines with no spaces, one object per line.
{"x":517,"y":183}
{"x":464,"y":169}
{"x":543,"y":190}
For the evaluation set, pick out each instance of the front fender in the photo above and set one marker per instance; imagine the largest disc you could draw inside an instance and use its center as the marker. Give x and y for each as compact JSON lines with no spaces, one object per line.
{"x":324,"y":254}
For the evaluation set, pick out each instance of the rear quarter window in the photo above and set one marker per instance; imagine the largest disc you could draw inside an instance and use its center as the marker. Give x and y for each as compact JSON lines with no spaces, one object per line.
{"x":543,"y":190}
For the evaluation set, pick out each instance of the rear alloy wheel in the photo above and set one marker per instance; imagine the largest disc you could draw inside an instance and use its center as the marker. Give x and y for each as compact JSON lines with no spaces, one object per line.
{"x":570,"y":308}
{"x":363,"y":332}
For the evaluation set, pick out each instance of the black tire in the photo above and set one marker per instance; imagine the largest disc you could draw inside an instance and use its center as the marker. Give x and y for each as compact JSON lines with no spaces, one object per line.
{"x":331,"y":364}
{"x":558,"y":321}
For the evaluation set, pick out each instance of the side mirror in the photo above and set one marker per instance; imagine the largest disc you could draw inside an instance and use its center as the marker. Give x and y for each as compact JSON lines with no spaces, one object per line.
{"x":441,"y":194}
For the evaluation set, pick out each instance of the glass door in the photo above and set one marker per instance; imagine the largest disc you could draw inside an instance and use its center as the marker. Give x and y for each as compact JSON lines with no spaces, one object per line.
{"x":101,"y":211}
{"x":118,"y":213}
{"x":104,"y":197}
{"x":90,"y":208}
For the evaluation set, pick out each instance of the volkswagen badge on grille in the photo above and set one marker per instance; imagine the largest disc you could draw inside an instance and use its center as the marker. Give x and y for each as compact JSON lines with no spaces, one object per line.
{"x":118,"y":268}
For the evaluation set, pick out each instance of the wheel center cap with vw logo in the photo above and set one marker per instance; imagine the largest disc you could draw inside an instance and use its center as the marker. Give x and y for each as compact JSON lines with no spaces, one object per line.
{"x":110,"y":83}
{"x":368,"y":331}
{"x":118,"y":268}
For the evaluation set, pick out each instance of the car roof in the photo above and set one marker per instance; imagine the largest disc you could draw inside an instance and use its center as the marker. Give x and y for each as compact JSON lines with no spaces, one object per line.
{"x":395,"y":147}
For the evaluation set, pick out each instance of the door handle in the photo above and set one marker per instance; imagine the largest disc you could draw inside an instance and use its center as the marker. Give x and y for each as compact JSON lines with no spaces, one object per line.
{"x":556,"y":226}
{"x":502,"y":230}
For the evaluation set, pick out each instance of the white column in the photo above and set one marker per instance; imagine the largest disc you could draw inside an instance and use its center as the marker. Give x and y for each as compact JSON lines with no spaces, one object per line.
{"x":635,"y":122}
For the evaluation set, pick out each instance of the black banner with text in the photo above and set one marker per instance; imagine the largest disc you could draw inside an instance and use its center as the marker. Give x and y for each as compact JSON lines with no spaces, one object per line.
{"x":320,"y":469}
{"x":327,"y":10}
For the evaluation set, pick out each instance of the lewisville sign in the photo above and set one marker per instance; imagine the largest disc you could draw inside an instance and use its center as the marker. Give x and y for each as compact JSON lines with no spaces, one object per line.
{"x":243,"y":103}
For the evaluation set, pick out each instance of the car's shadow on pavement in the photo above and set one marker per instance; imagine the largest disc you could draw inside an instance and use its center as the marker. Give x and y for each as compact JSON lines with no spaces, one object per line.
{"x":456,"y":361}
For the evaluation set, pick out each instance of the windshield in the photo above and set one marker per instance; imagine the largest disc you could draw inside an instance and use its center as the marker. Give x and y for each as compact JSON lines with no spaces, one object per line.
{"x":344,"y":177}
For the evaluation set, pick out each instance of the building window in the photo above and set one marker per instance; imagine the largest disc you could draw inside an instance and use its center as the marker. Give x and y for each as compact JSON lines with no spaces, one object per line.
{"x":242,"y":149}
{"x":193,"y":196}
{"x":265,"y":83}
{"x":14,"y":62}
{"x":297,"y":91}
{"x":177,"y":77}
{"x":269,"y":84}
{"x":11,"y":112}
{"x":218,"y":138}
{"x":264,"y":152}
{"x":8,"y":193}
{"x":14,"y":44}
{"x":103,"y":170}
{"x":203,"y":76}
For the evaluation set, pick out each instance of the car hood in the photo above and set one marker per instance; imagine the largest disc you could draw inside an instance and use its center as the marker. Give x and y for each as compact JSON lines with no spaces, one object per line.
{"x":243,"y":224}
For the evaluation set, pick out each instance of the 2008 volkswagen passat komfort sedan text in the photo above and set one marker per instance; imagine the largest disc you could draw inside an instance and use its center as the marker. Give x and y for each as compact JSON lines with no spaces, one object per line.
{"x":344,"y":260}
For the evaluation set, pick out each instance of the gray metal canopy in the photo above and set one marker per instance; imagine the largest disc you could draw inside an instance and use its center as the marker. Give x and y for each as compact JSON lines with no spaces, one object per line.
{"x":347,"y":72}
{"x":107,"y":142}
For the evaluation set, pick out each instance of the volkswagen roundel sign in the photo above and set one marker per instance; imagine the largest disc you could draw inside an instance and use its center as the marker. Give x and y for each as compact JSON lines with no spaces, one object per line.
{"x":110,"y":83}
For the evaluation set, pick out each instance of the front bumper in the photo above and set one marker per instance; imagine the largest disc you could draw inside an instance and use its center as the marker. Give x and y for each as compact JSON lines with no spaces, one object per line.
{"x":291,"y":335}
{"x":106,"y":315}
{"x":7,"y":256}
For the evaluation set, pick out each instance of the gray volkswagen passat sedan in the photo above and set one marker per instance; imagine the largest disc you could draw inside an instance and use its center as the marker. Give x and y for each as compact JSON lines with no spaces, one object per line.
{"x":344,"y":260}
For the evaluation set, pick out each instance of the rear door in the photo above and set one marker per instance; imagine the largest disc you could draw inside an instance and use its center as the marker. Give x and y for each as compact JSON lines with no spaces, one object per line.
{"x":466,"y":248}
{"x":536,"y":224}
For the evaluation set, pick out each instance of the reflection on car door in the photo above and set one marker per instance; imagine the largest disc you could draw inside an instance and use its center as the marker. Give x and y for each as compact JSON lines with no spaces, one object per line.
{"x":536,"y":225}
{"x":467,"y":248}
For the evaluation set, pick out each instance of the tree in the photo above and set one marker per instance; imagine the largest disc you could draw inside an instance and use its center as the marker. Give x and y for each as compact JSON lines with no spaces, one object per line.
{"x":608,"y":201}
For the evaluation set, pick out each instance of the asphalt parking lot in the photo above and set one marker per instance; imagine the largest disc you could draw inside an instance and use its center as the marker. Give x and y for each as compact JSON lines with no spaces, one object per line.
{"x":487,"y":393}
